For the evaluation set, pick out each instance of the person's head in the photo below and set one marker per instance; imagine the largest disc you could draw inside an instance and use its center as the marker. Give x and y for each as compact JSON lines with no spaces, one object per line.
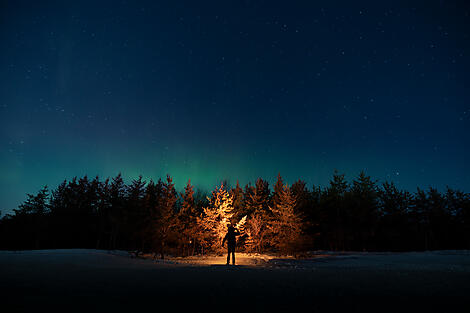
{"x":230,"y":227}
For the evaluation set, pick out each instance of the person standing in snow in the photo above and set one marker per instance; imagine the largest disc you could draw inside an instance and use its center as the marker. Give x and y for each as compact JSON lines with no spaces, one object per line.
{"x":231,"y":239}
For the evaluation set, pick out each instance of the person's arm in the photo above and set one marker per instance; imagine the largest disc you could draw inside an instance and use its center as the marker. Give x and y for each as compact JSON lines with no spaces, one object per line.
{"x":223,"y":241}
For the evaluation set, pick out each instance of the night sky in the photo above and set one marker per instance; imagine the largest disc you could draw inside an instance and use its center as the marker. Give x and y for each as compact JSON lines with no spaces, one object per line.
{"x":233,"y":90}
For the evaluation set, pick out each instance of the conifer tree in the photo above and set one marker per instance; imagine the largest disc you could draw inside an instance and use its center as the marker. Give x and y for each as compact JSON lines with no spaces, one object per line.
{"x":238,"y":203}
{"x":136,"y":212}
{"x":117,"y":215}
{"x":303,"y":198}
{"x":458,"y":204}
{"x":307,"y":209}
{"x":216,"y":217}
{"x":257,"y":203}
{"x":278,"y":189}
{"x":35,"y":204}
{"x":256,"y":229}
{"x":33,"y":212}
{"x":285,"y":224}
{"x":394,"y":227}
{"x":166,"y":222}
{"x":186,"y":221}
{"x":103,"y":208}
{"x":439,"y":219}
{"x":257,"y":197}
{"x":363,"y":211}
{"x":153,"y":200}
{"x":419,"y":218}
{"x":334,"y":211}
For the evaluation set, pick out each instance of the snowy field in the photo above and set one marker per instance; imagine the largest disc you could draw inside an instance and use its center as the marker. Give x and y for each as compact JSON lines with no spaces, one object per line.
{"x":112,"y":281}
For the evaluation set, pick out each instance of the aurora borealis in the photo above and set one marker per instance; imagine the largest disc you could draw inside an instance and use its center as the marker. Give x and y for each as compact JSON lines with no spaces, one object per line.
{"x":233,"y":90}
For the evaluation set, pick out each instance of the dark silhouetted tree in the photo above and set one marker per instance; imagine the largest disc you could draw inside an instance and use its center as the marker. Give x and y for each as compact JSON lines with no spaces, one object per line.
{"x":363,"y":212}
{"x":334,"y":213}
{"x":187,"y":221}
{"x":165,"y":227}
{"x":33,"y":212}
{"x":394,"y":229}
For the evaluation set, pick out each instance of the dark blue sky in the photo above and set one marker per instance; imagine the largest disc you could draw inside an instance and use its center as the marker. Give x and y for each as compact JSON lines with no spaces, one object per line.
{"x":237,"y":90}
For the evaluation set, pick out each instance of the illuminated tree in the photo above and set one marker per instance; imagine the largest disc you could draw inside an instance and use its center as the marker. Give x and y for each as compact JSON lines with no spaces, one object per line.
{"x":257,"y":203}
{"x":285,"y":225}
{"x":256,"y":230}
{"x":216,"y":217}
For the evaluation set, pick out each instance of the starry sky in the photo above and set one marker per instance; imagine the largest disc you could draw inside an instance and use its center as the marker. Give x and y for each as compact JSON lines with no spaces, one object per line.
{"x":233,"y":90}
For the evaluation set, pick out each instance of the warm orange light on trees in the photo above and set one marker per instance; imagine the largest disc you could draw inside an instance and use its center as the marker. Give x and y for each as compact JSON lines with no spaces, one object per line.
{"x":217,"y":216}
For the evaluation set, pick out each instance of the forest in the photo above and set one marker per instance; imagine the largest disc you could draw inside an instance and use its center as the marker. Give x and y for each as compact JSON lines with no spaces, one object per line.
{"x":153,"y":217}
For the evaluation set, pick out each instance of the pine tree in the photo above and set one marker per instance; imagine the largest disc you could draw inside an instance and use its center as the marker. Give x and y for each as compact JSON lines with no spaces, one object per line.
{"x":256,"y":230}
{"x":103,"y":208}
{"x":35,"y":204}
{"x":278,"y":189}
{"x":363,"y":215}
{"x":303,"y":198}
{"x":216,"y":217}
{"x":439,"y":218}
{"x":186,"y":221}
{"x":458,"y":204}
{"x":257,"y":208}
{"x":257,"y":197}
{"x":117,"y":217}
{"x":333,"y":212}
{"x":285,"y":224}
{"x":33,"y":212}
{"x":307,"y":209}
{"x":394,"y":227}
{"x":153,"y":200}
{"x":136,"y":212}
{"x":166,"y":221}
{"x":238,"y":201}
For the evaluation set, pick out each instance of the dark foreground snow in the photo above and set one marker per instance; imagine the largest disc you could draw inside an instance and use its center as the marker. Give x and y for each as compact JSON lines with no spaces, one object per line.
{"x":101,"y":281}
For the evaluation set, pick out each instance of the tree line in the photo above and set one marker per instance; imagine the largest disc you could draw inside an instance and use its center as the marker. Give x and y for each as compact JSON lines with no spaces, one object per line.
{"x":360,"y":215}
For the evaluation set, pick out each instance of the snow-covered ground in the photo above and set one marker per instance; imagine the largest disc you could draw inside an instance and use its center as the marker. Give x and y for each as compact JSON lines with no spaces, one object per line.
{"x":112,"y":281}
{"x":419,"y":261}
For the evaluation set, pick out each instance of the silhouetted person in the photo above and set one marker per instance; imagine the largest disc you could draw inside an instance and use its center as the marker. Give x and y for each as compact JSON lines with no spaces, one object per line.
{"x":231,"y":239}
